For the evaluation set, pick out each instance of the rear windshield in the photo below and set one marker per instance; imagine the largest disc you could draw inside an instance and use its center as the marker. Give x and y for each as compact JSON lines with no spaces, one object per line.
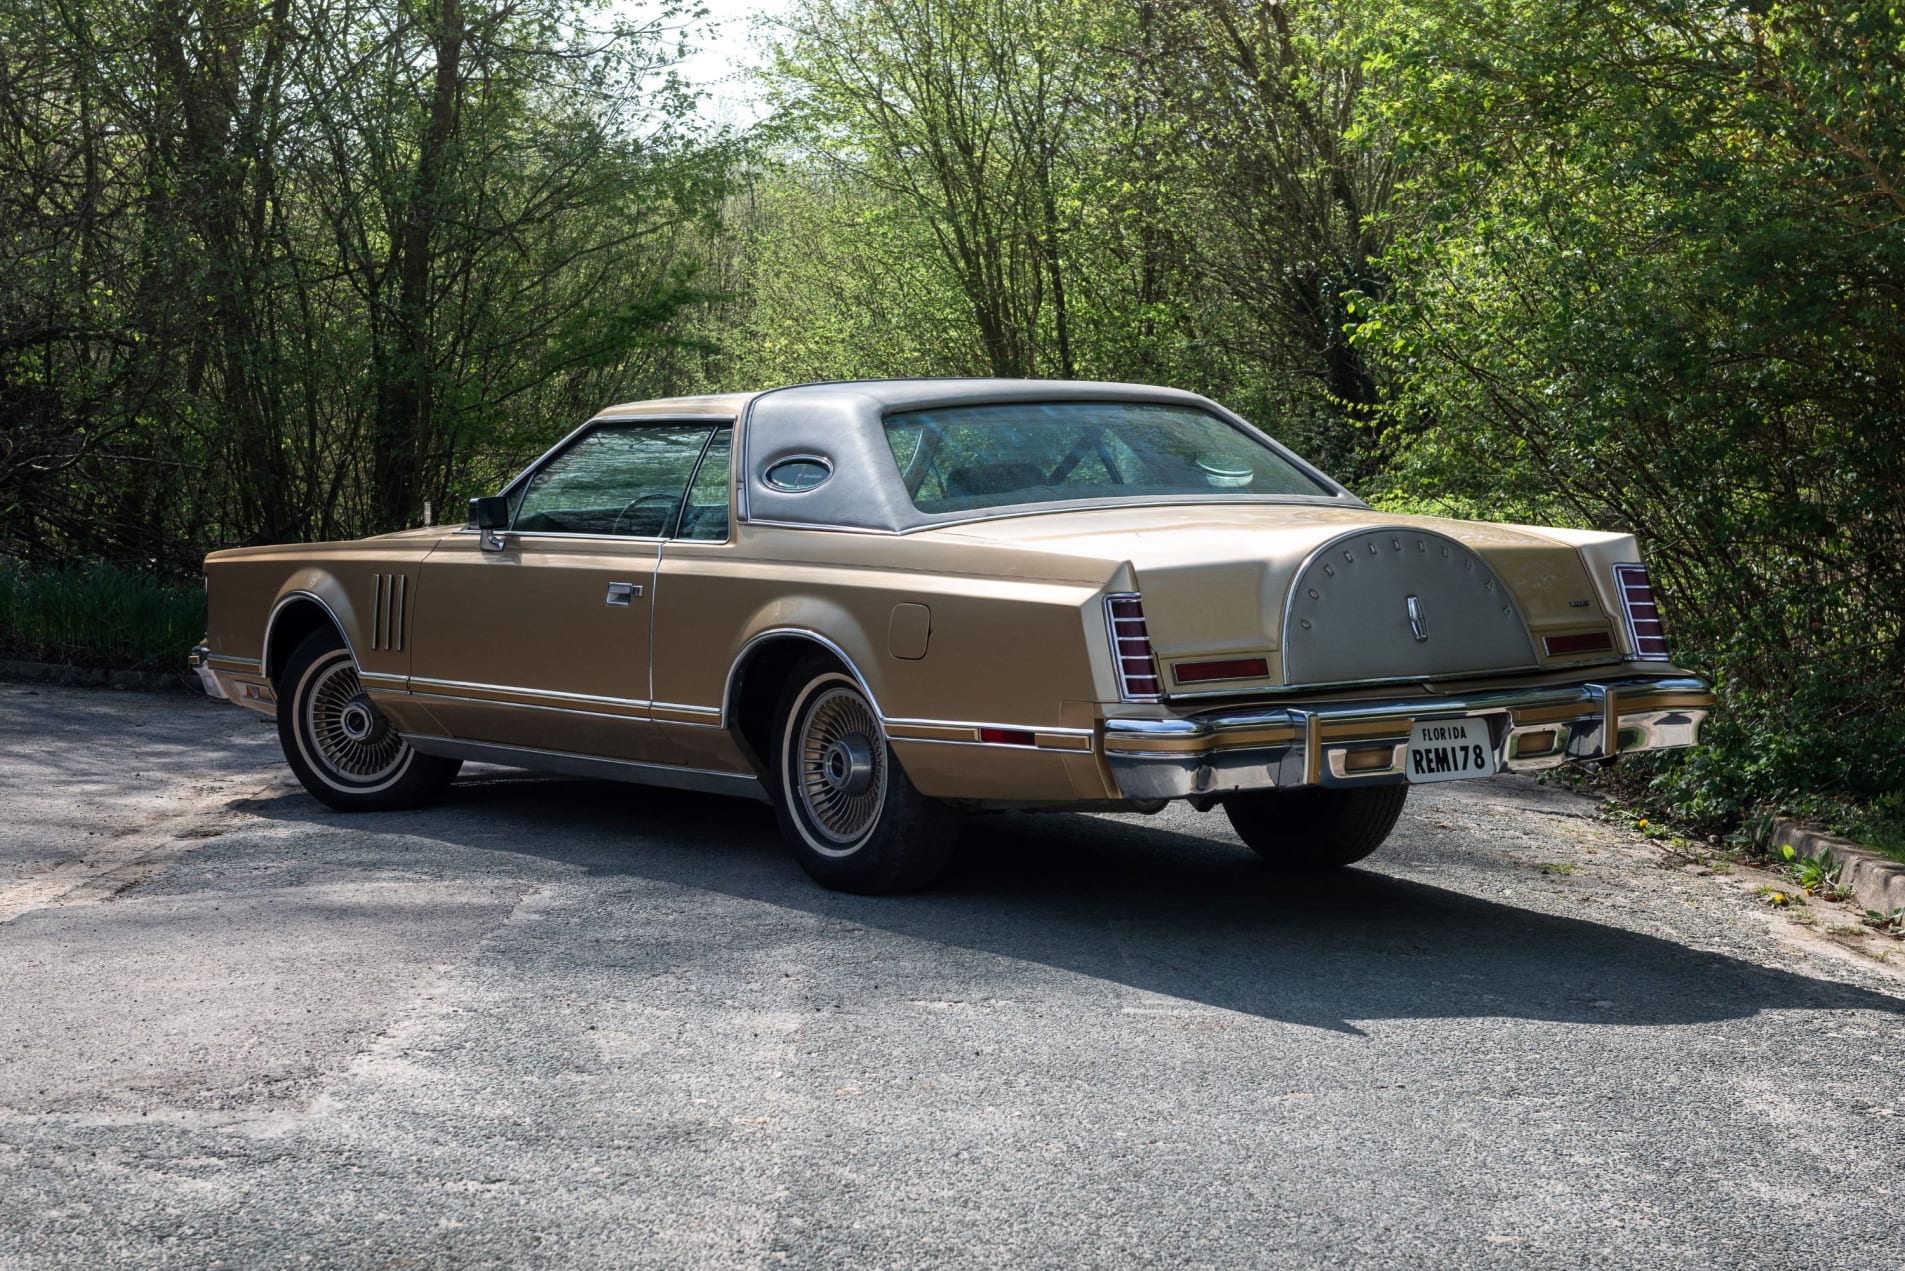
{"x":967,"y":457}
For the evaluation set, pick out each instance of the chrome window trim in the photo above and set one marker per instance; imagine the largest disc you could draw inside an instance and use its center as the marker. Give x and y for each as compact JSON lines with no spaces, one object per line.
{"x":767,"y":473}
{"x":1142,"y":501}
{"x":827,"y":529}
{"x":1049,"y":509}
{"x":575,"y":434}
{"x":1334,"y":490}
{"x":695,"y":476}
{"x":523,"y":535}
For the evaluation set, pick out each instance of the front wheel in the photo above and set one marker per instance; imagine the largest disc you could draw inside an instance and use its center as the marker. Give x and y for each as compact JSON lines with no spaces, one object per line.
{"x":1313,"y":828}
{"x":846,"y":807}
{"x":340,"y":745}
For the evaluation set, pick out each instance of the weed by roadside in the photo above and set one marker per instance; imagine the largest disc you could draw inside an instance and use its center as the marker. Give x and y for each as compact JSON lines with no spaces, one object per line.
{"x":1642,"y":785}
{"x":1887,"y":924}
{"x":1819,"y":876}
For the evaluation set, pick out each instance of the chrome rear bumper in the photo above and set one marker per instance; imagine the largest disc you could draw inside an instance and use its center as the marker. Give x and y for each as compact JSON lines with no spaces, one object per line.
{"x":1365,"y":743}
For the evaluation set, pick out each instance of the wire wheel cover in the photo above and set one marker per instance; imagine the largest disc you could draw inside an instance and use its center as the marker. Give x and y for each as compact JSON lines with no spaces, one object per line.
{"x":840,"y":774}
{"x":348,"y":733}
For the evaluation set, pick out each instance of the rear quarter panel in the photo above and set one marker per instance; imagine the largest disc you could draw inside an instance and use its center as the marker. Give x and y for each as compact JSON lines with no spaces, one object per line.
{"x":1015,"y":639}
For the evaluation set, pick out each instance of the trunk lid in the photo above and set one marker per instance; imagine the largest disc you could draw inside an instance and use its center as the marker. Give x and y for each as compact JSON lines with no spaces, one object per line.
{"x":1222,"y":581}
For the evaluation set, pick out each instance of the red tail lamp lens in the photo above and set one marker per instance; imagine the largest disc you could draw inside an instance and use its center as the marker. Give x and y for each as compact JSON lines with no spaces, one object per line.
{"x":1643,"y":615}
{"x":1131,"y":649}
{"x":1591,"y":642}
{"x":1232,"y":669}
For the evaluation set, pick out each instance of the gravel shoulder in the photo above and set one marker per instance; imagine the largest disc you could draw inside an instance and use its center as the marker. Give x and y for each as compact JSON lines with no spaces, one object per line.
{"x":579,"y":1024}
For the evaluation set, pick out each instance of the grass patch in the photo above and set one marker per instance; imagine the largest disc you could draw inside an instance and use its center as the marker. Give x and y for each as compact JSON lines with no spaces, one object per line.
{"x":97,"y":615}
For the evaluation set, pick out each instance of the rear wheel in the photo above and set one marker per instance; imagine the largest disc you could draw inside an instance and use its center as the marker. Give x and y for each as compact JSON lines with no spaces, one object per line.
{"x":846,"y":807}
{"x":1315,"y":828}
{"x":339,"y":744}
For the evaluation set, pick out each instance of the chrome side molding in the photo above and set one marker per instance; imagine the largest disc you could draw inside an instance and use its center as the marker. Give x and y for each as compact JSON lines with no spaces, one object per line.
{"x":701,"y":780}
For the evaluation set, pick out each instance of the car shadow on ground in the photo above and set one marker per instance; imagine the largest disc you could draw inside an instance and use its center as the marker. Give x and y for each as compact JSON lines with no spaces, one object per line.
{"x":1195,"y":919}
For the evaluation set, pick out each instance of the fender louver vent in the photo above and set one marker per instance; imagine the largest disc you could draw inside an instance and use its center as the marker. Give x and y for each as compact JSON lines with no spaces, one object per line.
{"x":387,"y":610}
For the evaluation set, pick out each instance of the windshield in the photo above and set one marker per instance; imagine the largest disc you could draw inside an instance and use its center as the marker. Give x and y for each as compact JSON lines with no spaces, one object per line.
{"x":969,"y":457}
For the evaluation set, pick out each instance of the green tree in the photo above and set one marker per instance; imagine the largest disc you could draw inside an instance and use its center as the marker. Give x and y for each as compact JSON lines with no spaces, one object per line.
{"x":1658,"y":292}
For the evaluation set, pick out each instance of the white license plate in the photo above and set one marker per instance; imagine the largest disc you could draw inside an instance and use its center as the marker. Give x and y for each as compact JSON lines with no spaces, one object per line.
{"x":1449,"y":750}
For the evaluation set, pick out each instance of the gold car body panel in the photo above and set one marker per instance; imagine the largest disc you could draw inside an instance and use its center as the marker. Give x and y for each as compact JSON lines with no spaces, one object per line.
{"x":716,"y":603}
{"x":525,"y":646}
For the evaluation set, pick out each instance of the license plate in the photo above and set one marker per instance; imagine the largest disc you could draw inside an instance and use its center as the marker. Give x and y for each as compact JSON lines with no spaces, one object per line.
{"x":1449,"y":750}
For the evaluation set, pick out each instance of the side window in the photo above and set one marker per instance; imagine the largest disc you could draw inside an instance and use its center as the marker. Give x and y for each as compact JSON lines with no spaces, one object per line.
{"x":706,"y":516}
{"x":616,"y":480}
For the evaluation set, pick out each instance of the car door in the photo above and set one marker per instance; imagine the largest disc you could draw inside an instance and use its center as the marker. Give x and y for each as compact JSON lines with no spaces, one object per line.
{"x":538,"y":637}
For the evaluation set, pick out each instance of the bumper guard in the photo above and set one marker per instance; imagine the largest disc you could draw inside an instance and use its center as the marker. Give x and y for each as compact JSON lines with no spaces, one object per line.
{"x":200,"y":660}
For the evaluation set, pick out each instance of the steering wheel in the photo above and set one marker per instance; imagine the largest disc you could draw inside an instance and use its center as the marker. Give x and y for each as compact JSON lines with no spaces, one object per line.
{"x":634,"y":505}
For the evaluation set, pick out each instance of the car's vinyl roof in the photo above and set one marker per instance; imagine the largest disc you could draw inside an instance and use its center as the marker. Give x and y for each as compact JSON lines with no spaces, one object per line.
{"x":839,"y":421}
{"x":887,"y":394}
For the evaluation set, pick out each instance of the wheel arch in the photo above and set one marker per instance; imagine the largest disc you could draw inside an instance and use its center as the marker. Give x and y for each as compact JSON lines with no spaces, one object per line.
{"x":759,"y":672}
{"x":301,"y":608}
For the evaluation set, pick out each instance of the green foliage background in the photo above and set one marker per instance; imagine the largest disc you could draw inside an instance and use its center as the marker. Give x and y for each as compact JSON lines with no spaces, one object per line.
{"x":292,"y":270}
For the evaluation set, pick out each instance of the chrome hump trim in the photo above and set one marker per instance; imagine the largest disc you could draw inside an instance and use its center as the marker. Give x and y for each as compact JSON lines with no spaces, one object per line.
{"x":700,"y":780}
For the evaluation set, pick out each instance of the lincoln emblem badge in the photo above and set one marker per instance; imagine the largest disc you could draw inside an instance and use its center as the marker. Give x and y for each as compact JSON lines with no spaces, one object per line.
{"x":1418,"y":623}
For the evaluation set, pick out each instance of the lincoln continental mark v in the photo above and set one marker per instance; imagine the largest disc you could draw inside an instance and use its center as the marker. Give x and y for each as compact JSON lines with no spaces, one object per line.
{"x":881,"y":606}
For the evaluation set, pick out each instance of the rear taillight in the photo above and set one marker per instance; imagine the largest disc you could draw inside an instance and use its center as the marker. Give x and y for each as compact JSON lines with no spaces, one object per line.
{"x":1643,"y":615}
{"x":1225,"y":669}
{"x":1131,"y":648}
{"x":1567,"y":646}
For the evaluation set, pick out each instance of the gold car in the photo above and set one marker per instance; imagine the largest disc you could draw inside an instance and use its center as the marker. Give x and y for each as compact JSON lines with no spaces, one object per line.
{"x":879,"y":605}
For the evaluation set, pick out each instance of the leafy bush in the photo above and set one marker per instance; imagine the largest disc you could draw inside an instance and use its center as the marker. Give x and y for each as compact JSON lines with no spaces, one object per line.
{"x":97,"y":615}
{"x":1655,"y":293}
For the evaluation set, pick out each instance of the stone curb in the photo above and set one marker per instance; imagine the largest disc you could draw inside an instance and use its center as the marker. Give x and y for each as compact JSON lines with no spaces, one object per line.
{"x":96,"y":677}
{"x":1877,"y":882}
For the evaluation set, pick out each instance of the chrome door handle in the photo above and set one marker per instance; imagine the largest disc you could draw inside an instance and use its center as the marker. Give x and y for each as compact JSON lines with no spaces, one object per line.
{"x":622,"y":593}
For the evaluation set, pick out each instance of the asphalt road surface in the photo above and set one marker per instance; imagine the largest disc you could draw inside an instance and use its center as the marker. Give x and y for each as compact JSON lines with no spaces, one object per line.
{"x":558,"y":1023}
